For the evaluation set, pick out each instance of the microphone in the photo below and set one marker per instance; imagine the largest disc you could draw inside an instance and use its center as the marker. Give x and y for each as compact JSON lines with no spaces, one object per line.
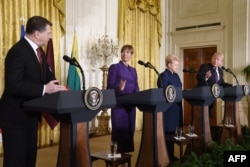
{"x":149,"y":65}
{"x":225,"y":69}
{"x":74,"y":62}
{"x":142,"y":63}
{"x":68,"y":59}
{"x":231,"y":72}
{"x":189,"y":70}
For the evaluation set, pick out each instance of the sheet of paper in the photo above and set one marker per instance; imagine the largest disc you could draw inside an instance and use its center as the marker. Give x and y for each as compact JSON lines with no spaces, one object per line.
{"x":114,"y":156}
{"x":191,"y":135}
{"x":180,"y":138}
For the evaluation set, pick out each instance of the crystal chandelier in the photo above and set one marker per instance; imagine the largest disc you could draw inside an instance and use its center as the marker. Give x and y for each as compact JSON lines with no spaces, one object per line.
{"x":102,"y":49}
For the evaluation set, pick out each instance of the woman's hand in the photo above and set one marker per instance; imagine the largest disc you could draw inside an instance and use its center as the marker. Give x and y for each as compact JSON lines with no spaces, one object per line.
{"x":122,"y":85}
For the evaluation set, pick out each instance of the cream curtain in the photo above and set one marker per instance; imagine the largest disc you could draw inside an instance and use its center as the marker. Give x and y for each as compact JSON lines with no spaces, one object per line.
{"x":10,"y":13}
{"x":139,"y":24}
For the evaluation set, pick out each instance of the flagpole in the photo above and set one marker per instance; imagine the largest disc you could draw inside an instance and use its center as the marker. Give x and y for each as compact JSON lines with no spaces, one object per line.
{"x":22,"y":18}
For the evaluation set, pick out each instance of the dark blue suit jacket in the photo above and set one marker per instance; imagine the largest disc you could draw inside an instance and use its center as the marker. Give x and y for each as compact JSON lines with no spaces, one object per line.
{"x":172,"y":117}
{"x":201,"y":76}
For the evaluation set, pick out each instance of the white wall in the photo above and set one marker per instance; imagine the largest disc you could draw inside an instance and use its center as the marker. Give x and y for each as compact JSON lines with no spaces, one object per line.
{"x":88,"y":17}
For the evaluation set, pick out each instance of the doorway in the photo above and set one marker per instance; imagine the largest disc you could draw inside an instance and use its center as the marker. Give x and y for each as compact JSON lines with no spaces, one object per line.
{"x":192,"y":59}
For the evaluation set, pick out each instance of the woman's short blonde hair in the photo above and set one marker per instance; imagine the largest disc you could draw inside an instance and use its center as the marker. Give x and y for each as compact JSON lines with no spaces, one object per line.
{"x":170,"y":58}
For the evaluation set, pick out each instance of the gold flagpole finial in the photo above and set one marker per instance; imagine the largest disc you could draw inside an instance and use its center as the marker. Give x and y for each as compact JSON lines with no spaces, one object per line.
{"x":22,"y":19}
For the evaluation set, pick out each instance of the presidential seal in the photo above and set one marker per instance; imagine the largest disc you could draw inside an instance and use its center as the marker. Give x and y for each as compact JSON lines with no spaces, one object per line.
{"x":170,"y":93}
{"x":245,"y":90}
{"x":93,"y":98}
{"x":215,"y":90}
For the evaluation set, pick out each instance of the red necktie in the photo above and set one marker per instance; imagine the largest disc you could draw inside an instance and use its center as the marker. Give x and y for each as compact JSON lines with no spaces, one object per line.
{"x":39,"y":55}
{"x":49,"y":118}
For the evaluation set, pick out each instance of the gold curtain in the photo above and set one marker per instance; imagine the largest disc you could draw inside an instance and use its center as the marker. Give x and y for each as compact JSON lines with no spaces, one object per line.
{"x":10,"y":13}
{"x":140,"y":24}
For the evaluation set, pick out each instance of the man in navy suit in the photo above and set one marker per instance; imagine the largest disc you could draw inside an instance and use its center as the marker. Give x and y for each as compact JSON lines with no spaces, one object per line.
{"x":211,"y":73}
{"x":26,"y":77}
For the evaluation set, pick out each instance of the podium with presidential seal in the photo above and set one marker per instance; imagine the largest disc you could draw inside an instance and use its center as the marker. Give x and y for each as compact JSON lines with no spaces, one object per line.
{"x":152,"y":103}
{"x":74,"y":109}
{"x":200,"y":98}
{"x":231,"y":121}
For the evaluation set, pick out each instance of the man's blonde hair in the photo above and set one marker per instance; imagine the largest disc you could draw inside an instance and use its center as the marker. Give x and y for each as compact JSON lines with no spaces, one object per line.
{"x":218,"y":54}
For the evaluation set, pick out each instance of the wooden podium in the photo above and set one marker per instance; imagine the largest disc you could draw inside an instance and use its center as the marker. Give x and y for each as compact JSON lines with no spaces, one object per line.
{"x":200,"y":98}
{"x":69,"y":108}
{"x":232,"y":96}
{"x":151,"y":102}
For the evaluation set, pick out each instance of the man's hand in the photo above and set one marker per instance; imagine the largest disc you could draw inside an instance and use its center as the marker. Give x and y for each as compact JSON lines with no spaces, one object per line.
{"x":53,"y":87}
{"x":208,"y":74}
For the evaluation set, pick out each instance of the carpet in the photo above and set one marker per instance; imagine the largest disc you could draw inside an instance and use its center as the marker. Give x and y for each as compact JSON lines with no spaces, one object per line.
{"x":47,"y":157}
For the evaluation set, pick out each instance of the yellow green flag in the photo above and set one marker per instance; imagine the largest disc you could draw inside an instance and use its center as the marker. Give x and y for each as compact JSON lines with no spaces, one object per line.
{"x":73,"y":79}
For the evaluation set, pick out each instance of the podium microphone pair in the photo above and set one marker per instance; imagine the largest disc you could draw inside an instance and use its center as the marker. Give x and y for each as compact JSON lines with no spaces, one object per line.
{"x":231,"y":72}
{"x":189,"y":70}
{"x":226,"y":69}
{"x":74,"y":62}
{"x":149,"y":65}
{"x":145,"y":64}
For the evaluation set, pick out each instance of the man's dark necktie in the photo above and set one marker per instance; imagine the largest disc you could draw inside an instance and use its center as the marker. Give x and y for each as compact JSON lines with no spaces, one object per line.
{"x":49,"y":118}
{"x":216,"y":74}
{"x":39,"y":55}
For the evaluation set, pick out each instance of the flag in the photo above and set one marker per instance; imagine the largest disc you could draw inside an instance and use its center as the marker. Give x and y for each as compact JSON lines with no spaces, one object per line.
{"x":0,"y":135}
{"x":50,"y":56}
{"x":50,"y":60}
{"x":73,"y":79}
{"x":22,"y":31}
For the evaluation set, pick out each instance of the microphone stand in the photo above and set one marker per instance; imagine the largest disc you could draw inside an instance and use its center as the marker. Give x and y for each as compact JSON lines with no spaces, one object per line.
{"x":233,"y":76}
{"x":76,"y":63}
{"x":151,"y":66}
{"x":155,"y":70}
{"x":231,"y":72}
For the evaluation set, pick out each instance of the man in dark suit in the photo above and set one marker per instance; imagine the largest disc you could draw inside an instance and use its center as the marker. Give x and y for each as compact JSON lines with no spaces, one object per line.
{"x":211,"y":73}
{"x":26,"y":77}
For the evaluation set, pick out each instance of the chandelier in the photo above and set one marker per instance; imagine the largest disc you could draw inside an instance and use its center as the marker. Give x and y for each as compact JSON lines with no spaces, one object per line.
{"x":102,"y":49}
